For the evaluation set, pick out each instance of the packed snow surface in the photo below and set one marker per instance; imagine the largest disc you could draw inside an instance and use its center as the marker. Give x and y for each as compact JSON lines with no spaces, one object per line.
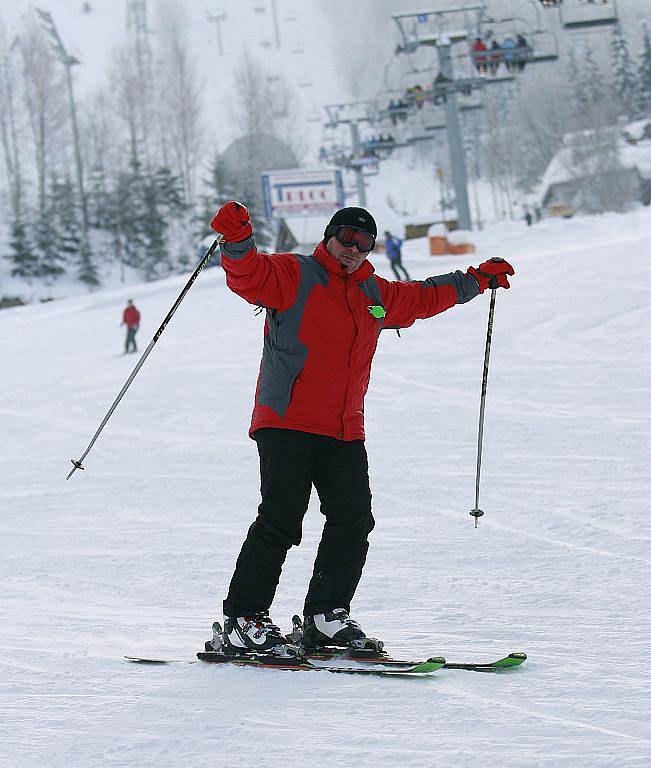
{"x":133,"y":556}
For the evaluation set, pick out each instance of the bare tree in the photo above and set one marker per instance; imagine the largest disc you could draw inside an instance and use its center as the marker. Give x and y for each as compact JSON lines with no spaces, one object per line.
{"x":126,"y":90}
{"x":9,"y":122}
{"x":180,"y":98}
{"x":264,"y":103}
{"x":43,"y":91}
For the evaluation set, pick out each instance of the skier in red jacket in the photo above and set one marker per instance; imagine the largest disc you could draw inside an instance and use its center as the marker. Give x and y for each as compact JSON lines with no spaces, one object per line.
{"x":324,"y":313}
{"x":130,"y":318}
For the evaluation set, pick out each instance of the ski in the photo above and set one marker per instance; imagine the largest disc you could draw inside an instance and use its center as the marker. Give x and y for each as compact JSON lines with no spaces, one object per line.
{"x":342,"y":654}
{"x":371,"y":651}
{"x":381,"y":657}
{"x":261,"y":661}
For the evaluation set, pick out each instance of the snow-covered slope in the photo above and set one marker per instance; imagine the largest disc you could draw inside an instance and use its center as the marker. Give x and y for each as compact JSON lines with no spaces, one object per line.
{"x":134,"y":554}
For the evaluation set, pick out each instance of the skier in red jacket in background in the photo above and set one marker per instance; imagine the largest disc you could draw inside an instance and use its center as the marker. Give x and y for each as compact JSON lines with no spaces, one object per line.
{"x":324,"y":313}
{"x":130,"y":318}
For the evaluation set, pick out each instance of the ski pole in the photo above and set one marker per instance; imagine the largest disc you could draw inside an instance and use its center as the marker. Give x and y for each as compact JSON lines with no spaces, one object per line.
{"x":77,"y":463}
{"x":476,"y":512}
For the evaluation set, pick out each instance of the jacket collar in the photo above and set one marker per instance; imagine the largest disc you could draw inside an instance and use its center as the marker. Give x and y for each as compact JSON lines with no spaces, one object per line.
{"x":335,"y":267}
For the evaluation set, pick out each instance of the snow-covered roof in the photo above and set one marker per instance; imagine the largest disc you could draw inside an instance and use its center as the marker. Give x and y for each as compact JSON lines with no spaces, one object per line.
{"x":564,"y":168}
{"x":307,"y":230}
{"x":638,"y":129}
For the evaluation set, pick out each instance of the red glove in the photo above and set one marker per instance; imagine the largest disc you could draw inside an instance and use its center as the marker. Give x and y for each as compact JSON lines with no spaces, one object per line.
{"x":232,"y":221}
{"x":492,"y":274}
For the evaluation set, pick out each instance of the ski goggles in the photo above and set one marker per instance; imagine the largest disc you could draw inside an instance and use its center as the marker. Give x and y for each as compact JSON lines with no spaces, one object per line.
{"x":349,"y":236}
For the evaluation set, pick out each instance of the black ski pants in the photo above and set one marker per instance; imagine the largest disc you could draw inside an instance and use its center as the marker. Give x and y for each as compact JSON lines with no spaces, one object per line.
{"x":291,"y":462}
{"x":396,"y":264}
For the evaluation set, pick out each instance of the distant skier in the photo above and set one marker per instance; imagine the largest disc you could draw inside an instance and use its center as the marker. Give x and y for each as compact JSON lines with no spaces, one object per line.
{"x":324,"y":314}
{"x":130,"y":318}
{"x":394,"y":252}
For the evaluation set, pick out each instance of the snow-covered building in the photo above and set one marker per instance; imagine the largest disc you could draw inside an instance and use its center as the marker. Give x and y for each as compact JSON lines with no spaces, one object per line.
{"x":600,"y":169}
{"x":300,"y":234}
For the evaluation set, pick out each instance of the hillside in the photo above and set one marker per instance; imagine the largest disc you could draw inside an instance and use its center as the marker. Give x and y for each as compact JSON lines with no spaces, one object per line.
{"x":134,"y":554}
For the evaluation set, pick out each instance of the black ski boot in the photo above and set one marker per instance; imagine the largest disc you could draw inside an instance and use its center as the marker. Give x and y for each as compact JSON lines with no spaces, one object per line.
{"x":336,"y":628}
{"x":275,"y":646}
{"x":255,"y":633}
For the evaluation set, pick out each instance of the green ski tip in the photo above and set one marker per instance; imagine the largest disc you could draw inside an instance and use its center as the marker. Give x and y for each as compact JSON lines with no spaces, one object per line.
{"x":431,"y":665}
{"x":512,"y":660}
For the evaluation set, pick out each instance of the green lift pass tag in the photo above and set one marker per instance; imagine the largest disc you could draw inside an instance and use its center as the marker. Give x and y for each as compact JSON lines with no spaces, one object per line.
{"x":377,"y":311}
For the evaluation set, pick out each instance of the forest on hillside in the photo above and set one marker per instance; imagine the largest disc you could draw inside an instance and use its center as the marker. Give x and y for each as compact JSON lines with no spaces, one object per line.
{"x":132,"y":174}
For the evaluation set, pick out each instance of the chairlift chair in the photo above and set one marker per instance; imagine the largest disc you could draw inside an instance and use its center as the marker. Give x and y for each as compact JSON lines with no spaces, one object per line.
{"x":544,"y":47}
{"x":588,"y":14}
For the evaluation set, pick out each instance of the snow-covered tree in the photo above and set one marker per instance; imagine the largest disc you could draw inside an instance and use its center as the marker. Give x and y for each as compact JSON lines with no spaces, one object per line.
{"x":21,"y":253}
{"x":180,"y":99}
{"x":219,"y":188}
{"x":130,"y":214}
{"x":623,"y":68}
{"x":259,"y":222}
{"x":45,"y":103}
{"x":643,"y":85}
{"x":73,"y":245}
{"x":98,"y":196}
{"x":10,"y":125}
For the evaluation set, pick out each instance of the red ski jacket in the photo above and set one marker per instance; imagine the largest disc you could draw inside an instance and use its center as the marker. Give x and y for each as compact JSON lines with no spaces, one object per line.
{"x":320,"y":335}
{"x":131,"y":317}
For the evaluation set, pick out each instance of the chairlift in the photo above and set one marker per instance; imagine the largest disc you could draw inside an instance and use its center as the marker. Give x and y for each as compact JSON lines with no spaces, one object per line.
{"x":382,"y":145}
{"x":305,"y":82}
{"x":396,"y":110}
{"x":544,"y":46}
{"x":588,"y":14}
{"x":417,"y":138}
{"x":514,"y":43}
{"x":259,"y":8}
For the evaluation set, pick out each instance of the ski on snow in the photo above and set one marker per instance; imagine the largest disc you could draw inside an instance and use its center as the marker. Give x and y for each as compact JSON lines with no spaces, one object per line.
{"x":372,"y":663}
{"x":380,"y":657}
{"x":262,"y":661}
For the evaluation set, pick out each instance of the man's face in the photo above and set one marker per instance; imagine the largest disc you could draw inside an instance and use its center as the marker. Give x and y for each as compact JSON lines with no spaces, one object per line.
{"x":350,"y":257}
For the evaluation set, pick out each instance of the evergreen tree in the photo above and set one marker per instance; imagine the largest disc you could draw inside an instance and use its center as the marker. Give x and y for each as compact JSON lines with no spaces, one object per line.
{"x":220,"y":188}
{"x":99,"y":199}
{"x":169,"y":191}
{"x":47,"y":235}
{"x":643,"y":84}
{"x":74,"y":246}
{"x":86,"y":271}
{"x":21,"y":254}
{"x":591,"y":81}
{"x":260,"y":224}
{"x":623,"y":67}
{"x":155,"y":259}
{"x":131,"y":215}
